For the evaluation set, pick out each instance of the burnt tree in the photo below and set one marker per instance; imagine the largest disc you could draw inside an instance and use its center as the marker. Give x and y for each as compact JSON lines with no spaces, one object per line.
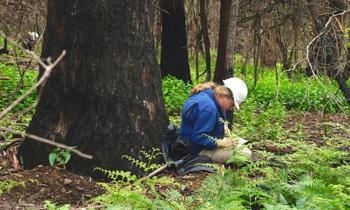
{"x":221,"y":64}
{"x":174,"y":52}
{"x":105,"y":96}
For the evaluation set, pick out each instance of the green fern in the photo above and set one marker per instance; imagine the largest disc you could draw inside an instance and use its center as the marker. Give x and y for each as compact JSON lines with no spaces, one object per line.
{"x":121,"y":177}
{"x":145,"y":165}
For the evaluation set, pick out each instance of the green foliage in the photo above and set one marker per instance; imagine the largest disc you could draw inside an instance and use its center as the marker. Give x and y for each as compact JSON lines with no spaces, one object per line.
{"x":300,"y":93}
{"x":127,"y":191}
{"x":117,"y":176}
{"x":12,"y":88}
{"x":175,"y":120}
{"x":147,"y":165}
{"x":124,"y":197}
{"x":8,"y":185}
{"x":51,"y":206}
{"x":238,"y":157}
{"x":305,"y":94}
{"x":137,"y":197}
{"x":175,"y":93}
{"x":60,"y":156}
{"x":312,"y":178}
{"x":260,"y":123}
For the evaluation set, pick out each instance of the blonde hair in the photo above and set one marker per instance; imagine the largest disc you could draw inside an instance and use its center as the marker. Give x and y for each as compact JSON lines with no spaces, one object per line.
{"x":219,"y":90}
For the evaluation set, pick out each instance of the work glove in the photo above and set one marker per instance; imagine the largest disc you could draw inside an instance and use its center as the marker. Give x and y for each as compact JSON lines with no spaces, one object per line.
{"x":226,"y":142}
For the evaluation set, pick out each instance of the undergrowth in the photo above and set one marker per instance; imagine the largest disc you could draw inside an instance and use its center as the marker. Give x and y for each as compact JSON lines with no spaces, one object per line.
{"x":15,"y":86}
{"x":8,"y":185}
{"x":10,"y":90}
{"x":311,"y":178}
{"x":127,"y":191}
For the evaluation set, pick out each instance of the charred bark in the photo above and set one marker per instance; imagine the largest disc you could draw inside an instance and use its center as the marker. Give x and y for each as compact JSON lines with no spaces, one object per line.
{"x":220,"y":68}
{"x":174,"y":52}
{"x":105,"y":96}
{"x":205,"y":34}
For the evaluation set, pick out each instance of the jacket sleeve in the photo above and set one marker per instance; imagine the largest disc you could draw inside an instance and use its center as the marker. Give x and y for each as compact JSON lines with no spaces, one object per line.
{"x":203,"y":125}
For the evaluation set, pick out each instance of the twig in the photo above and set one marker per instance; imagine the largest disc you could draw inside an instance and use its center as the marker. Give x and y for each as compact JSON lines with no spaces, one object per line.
{"x":47,"y":141}
{"x":4,"y":78}
{"x":316,"y":37}
{"x":323,"y":31}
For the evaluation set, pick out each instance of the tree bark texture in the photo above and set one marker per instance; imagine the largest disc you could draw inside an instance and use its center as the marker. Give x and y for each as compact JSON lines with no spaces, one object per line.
{"x":220,"y":69}
{"x":232,"y":36}
{"x":104,"y":97}
{"x":174,"y":52}
{"x":205,"y":34}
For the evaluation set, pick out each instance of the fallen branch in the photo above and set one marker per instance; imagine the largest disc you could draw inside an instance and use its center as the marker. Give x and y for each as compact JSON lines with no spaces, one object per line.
{"x":4,"y":78}
{"x":47,"y":141}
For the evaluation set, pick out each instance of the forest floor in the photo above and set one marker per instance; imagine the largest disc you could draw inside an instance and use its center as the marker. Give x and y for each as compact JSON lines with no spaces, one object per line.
{"x":62,"y":187}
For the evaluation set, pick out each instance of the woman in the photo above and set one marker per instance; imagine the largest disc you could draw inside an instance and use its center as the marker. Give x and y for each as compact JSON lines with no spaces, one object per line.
{"x":204,"y":115}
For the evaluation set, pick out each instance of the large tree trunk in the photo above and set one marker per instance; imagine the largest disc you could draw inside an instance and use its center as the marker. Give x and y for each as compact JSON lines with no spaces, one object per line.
{"x":220,"y":68}
{"x":105,"y":96}
{"x":174,"y":53}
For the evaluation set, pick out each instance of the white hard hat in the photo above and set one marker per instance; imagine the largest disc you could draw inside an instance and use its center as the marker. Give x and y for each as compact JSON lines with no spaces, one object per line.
{"x":238,"y":88}
{"x":34,"y":35}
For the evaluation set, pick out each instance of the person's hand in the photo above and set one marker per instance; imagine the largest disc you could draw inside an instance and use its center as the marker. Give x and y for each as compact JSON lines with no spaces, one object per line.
{"x":226,"y":142}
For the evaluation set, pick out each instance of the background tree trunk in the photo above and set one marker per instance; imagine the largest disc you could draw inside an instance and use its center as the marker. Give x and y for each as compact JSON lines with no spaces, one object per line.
{"x":105,"y":96}
{"x":205,"y":34}
{"x":174,"y":52}
{"x":231,"y":39}
{"x":225,"y":13}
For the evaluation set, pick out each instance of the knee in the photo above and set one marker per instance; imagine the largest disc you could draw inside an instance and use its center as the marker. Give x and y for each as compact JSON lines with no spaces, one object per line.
{"x":246,"y":152}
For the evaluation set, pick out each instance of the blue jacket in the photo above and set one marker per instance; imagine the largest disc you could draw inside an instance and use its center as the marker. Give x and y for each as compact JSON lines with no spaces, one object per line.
{"x":202,"y":121}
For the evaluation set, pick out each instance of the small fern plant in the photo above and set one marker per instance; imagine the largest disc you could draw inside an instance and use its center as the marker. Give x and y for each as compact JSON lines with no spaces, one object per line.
{"x":147,"y":165}
{"x":126,"y":177}
{"x":117,"y":176}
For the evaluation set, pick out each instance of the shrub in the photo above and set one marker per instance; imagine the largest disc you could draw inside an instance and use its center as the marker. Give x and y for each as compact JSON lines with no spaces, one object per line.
{"x":175,"y":93}
{"x":10,"y":89}
{"x":305,"y":94}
